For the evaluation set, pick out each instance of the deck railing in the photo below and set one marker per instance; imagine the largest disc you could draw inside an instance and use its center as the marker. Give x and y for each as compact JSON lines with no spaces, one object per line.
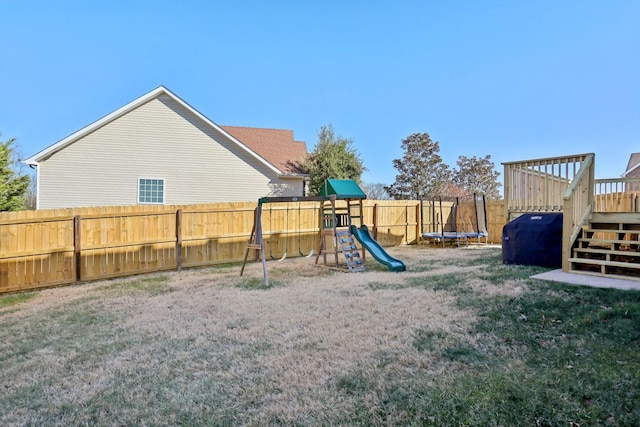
{"x":539,"y":185}
{"x":617,"y":195}
{"x":578,"y":201}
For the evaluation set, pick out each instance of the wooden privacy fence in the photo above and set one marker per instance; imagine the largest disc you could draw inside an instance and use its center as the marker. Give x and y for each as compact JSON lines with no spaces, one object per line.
{"x":46,"y":248}
{"x":64,"y":246}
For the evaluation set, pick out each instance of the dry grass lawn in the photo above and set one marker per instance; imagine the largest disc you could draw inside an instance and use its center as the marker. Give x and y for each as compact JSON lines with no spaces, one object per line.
{"x":207,"y":347}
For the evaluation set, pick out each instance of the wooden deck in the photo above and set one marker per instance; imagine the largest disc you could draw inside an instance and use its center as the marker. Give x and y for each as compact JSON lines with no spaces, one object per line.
{"x":601,"y":218}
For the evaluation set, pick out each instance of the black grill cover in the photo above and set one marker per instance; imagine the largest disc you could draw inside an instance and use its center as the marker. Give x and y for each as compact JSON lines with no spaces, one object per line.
{"x":533,"y":239}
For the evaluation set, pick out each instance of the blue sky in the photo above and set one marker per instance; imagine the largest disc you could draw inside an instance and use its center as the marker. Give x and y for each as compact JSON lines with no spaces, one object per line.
{"x":513,"y":79}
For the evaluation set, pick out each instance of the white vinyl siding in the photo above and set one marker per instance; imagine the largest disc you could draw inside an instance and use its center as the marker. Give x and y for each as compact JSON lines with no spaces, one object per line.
{"x":159,"y":138}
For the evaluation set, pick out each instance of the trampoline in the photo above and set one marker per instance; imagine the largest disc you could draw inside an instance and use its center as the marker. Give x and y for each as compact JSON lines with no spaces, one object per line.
{"x":456,"y":220}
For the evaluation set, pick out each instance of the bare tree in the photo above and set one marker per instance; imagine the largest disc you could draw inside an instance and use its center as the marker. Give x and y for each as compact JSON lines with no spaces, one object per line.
{"x":31,"y":197}
{"x":375,"y":191}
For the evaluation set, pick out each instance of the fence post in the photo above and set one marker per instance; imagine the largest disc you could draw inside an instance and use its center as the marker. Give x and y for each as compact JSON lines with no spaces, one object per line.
{"x":418,"y":222}
{"x":375,"y":221}
{"x":406,"y":227}
{"x":77,"y":248}
{"x":179,"y":239}
{"x":507,"y":191}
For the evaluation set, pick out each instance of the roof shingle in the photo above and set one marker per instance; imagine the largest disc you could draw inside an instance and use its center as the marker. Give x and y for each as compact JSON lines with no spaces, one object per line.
{"x":276,"y":146}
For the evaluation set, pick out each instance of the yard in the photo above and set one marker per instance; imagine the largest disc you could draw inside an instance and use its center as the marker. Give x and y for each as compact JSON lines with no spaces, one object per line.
{"x":458,"y":339}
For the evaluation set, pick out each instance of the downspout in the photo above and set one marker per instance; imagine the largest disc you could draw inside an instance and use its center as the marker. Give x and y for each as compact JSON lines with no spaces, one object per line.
{"x":306,"y":184}
{"x":35,"y":166}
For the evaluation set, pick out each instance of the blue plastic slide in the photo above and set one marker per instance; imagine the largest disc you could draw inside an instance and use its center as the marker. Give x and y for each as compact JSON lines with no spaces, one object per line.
{"x":374,"y":248}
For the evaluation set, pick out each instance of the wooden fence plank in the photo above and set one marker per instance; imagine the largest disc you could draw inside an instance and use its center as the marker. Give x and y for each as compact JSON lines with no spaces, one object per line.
{"x":48,"y":248}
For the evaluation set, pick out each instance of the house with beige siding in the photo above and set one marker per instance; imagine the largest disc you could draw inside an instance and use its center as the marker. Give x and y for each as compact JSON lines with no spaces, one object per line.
{"x":158,"y":149}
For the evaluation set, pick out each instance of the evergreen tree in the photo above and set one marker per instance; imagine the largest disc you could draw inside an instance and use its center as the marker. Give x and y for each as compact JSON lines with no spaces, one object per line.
{"x":477,"y":175}
{"x":332,"y":157}
{"x":13,"y":186}
{"x":421,"y":172}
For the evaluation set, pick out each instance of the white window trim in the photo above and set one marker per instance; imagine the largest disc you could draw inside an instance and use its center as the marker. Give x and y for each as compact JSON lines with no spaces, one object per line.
{"x":164,"y":191}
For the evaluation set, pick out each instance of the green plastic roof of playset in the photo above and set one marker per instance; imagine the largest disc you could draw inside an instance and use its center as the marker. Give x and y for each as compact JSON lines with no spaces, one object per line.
{"x":342,"y":188}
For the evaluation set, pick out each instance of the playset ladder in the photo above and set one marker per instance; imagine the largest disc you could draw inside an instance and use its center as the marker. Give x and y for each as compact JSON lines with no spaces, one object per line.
{"x":350,"y":251}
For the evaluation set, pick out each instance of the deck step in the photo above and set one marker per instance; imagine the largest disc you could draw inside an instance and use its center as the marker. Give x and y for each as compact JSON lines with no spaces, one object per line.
{"x":603,"y":268}
{"x":609,"y":275}
{"x":589,"y":232}
{"x":609,"y":246}
{"x":607,"y":241}
{"x":602,"y":251}
{"x":590,"y":261}
{"x":631,"y":218}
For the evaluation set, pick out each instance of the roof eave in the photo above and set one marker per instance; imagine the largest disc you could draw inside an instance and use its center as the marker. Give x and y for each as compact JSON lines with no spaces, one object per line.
{"x":95,"y":125}
{"x":33,"y":160}
{"x":630,"y":170}
{"x":293,"y":175}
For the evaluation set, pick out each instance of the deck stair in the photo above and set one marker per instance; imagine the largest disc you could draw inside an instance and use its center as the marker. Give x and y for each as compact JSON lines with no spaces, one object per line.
{"x":350,"y":251}
{"x":609,"y":246}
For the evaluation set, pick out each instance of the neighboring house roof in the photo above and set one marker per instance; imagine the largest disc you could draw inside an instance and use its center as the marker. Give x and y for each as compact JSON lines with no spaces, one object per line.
{"x":633,"y":167}
{"x":277,"y":146}
{"x":266,"y":153}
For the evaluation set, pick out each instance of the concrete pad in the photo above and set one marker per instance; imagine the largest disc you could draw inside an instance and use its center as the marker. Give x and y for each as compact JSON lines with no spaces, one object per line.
{"x":588,"y":280}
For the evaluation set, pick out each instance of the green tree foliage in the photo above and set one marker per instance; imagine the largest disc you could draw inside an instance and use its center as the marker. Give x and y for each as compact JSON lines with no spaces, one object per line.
{"x":421,"y":172}
{"x":13,"y":185}
{"x":332,"y":157}
{"x":477,"y":175}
